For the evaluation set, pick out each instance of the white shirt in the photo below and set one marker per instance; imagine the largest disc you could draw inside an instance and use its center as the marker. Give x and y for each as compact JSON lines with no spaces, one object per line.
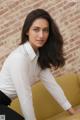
{"x":20,"y":71}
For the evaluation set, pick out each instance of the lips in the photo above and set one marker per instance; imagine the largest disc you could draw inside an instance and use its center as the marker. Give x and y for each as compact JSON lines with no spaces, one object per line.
{"x":40,"y":40}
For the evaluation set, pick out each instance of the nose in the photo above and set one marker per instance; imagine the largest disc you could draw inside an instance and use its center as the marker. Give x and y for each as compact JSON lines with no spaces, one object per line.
{"x":41,"y":34}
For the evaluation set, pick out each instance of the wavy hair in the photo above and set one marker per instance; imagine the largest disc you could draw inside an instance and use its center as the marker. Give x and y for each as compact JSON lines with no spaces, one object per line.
{"x":51,"y":53}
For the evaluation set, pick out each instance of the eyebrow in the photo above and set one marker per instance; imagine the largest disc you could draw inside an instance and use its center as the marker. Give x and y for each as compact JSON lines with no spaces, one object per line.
{"x":39,"y":27}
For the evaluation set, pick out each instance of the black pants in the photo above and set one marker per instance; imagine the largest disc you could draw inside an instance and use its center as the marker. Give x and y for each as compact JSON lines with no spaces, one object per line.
{"x":7,"y":113}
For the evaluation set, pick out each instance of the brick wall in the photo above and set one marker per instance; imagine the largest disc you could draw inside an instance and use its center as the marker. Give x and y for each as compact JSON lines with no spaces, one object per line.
{"x":65,"y":12}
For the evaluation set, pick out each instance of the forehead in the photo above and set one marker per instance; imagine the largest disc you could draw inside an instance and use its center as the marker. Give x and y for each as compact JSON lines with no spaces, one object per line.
{"x":40,"y":22}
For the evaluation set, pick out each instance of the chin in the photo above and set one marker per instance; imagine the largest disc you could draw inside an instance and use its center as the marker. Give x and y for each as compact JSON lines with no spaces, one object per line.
{"x":40,"y":45}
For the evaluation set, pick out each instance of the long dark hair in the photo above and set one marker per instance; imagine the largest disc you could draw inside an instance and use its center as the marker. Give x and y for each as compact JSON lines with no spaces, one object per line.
{"x":51,"y":53}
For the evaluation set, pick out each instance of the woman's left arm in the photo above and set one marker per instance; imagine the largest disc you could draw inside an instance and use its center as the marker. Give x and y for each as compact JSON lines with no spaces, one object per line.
{"x":55,"y":90}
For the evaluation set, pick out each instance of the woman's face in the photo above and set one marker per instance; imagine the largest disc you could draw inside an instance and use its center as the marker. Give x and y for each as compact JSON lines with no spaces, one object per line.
{"x":38,"y":33}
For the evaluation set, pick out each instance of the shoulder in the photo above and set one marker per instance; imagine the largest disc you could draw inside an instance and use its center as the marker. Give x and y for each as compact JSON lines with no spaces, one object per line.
{"x":17,"y":56}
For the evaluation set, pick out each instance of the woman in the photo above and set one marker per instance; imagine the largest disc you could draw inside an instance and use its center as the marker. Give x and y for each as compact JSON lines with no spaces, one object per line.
{"x":41,"y":47}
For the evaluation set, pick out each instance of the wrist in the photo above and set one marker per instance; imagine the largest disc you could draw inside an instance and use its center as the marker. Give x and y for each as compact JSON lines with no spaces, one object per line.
{"x":71,"y":111}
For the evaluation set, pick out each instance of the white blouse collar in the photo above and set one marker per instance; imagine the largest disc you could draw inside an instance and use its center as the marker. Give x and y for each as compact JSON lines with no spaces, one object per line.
{"x":30,"y":50}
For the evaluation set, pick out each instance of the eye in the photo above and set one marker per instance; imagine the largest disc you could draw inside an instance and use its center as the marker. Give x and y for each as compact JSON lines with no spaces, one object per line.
{"x":46,"y":30}
{"x":36,"y":29}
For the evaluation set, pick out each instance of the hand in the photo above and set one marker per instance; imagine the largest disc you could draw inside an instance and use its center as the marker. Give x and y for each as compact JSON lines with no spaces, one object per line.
{"x":72,"y":111}
{"x":77,"y":110}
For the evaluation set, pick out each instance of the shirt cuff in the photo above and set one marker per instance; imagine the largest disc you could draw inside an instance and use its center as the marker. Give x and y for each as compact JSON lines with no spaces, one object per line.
{"x":67,"y":105}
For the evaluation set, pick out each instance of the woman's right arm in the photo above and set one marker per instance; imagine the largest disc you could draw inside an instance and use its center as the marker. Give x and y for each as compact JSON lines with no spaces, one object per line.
{"x":19,"y":73}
